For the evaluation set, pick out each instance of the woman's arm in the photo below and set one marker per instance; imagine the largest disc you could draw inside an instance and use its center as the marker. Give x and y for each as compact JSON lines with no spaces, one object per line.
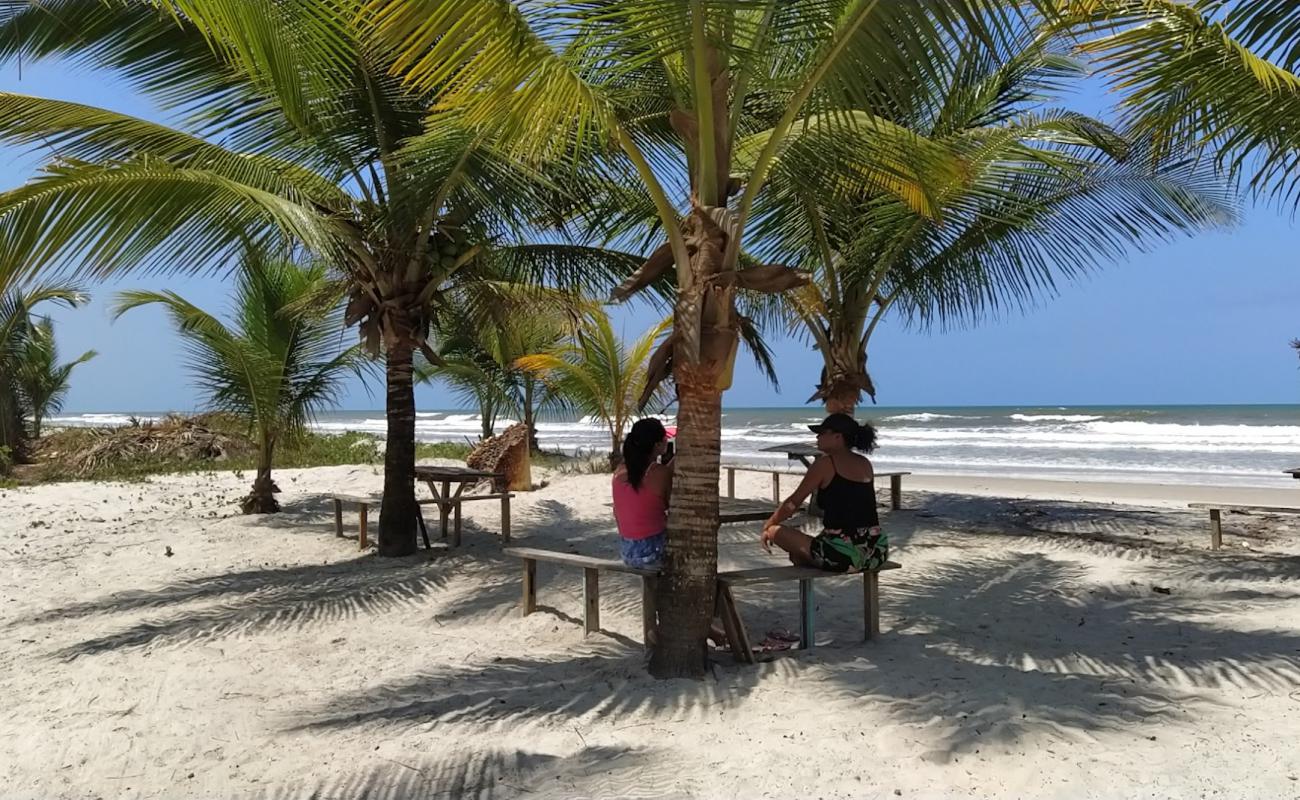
{"x":812,"y":481}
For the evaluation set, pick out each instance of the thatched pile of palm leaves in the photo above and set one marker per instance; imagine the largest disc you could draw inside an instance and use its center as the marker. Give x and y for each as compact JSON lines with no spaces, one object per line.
{"x":183,"y":442}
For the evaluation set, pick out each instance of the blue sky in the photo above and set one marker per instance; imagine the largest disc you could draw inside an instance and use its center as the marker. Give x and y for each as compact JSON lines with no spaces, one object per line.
{"x":1198,"y":322}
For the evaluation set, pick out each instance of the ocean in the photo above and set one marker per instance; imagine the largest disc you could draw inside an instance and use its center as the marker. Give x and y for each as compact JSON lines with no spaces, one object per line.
{"x":1214,"y":445}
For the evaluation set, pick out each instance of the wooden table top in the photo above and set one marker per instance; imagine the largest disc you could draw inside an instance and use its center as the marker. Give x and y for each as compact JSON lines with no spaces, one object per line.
{"x":1294,"y":473}
{"x":451,"y":474}
{"x":793,"y":449}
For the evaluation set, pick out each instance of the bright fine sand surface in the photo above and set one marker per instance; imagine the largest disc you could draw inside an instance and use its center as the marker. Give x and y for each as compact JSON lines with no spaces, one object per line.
{"x":1026,"y":653}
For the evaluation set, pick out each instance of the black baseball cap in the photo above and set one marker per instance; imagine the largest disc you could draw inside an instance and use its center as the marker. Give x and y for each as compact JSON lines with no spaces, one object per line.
{"x":842,"y":424}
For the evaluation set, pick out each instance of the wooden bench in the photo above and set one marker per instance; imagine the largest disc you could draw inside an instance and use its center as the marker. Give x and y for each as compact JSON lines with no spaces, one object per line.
{"x":735,"y":627}
{"x":895,"y":482}
{"x":363,"y":504}
{"x":591,"y":569}
{"x":1216,"y":519}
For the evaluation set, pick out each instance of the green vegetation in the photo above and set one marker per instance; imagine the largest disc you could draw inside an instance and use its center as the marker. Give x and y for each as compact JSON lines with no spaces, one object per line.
{"x":206,"y":443}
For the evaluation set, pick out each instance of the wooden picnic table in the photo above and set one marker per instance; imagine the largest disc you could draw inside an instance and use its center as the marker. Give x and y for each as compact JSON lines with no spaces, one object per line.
{"x":1294,"y":473}
{"x":804,"y":453}
{"x":448,"y":484}
{"x":731,"y":509}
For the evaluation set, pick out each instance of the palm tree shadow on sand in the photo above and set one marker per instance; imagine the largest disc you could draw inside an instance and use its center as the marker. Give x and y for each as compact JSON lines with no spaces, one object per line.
{"x":967,"y":659}
{"x":499,"y":773}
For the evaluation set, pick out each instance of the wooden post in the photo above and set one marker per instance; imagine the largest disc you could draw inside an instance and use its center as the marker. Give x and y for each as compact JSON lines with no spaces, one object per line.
{"x":529,"y":603}
{"x":895,"y":492}
{"x":776,"y":487}
{"x":455,"y":537}
{"x":419,"y":518}
{"x":444,"y":515}
{"x":505,"y":518}
{"x":731,"y":481}
{"x":724,"y":605}
{"x":338,"y":517}
{"x":806,"y":611}
{"x":649,"y":615}
{"x":1216,"y":529}
{"x":365,"y":511}
{"x":590,"y":600}
{"x":870,"y":605}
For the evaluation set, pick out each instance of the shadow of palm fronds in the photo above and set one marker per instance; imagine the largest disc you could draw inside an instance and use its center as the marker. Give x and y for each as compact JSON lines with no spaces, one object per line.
{"x":259,"y":601}
{"x":500,"y":773}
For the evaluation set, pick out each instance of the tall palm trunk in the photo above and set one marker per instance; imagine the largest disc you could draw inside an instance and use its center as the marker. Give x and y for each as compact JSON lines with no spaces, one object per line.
{"x":261,"y":500}
{"x":687,"y":588}
{"x":706,"y":316}
{"x":397,"y":514}
{"x":530,"y":415}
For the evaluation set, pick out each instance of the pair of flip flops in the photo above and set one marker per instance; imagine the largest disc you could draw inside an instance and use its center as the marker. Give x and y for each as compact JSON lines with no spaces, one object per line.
{"x":777,"y":639}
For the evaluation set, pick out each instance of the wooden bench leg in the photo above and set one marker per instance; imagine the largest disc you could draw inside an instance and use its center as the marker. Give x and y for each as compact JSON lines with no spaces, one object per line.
{"x":870,"y":605}
{"x":649,"y":615}
{"x":731,"y":482}
{"x":895,"y":492}
{"x":338,"y":518}
{"x":505,"y":518}
{"x":365,"y":512}
{"x":724,"y":605}
{"x":444,"y":515}
{"x":807,"y":606}
{"x":1216,"y":529}
{"x":590,"y":600}
{"x":529,"y":602}
{"x":455,"y":537}
{"x":776,"y":487}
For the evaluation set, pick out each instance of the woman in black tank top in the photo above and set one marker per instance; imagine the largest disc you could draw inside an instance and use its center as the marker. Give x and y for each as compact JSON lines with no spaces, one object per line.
{"x":851,"y":540}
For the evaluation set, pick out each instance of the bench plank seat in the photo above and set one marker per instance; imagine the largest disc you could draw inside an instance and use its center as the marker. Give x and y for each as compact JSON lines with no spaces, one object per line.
{"x":789,"y":573}
{"x":576,"y":560}
{"x":1216,"y":516}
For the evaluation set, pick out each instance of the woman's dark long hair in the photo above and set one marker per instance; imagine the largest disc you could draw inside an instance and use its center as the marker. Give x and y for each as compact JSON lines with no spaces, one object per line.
{"x":864,"y":439}
{"x":639,"y":447}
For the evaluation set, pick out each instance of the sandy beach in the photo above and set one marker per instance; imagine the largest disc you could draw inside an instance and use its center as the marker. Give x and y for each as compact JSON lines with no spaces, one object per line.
{"x":1026,"y":653}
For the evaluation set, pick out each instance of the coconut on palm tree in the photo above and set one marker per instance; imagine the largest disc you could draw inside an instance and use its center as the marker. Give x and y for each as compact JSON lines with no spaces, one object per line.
{"x":1044,"y":194}
{"x":701,"y":101}
{"x":600,"y":376}
{"x":277,"y":363}
{"x":289,"y":130}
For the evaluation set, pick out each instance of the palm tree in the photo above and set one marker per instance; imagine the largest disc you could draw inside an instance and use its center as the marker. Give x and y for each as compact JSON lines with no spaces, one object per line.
{"x":16,"y":331}
{"x":702,"y":99}
{"x":478,"y":351}
{"x":277,"y":363}
{"x":290,"y":131}
{"x":601,"y":377}
{"x":1212,"y":74}
{"x":1045,"y":193}
{"x":42,"y":380}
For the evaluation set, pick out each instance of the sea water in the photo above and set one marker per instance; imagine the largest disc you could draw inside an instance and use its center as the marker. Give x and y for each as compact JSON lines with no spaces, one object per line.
{"x":1218,"y":445}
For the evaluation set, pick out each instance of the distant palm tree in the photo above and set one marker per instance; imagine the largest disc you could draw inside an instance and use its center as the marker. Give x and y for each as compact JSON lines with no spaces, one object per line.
{"x":41,"y":379}
{"x":277,"y":365}
{"x":479,"y":347}
{"x":600,"y":376}
{"x":16,"y":329}
{"x":1045,"y":194}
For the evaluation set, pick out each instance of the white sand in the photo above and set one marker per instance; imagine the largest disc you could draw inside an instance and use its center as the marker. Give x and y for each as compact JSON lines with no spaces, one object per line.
{"x":1024,"y":655}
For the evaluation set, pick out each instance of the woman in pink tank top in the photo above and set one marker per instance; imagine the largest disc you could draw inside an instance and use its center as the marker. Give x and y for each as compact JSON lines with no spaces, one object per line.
{"x":641,"y":489}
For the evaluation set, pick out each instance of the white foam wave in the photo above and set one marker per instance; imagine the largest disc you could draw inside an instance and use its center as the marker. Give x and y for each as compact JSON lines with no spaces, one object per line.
{"x":923,"y":417}
{"x":1055,"y":417}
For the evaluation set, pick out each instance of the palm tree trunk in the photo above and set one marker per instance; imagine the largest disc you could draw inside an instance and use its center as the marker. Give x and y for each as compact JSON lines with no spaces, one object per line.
{"x":686,"y":591}
{"x":261,"y":500}
{"x":397,"y":514}
{"x":842,"y":398}
{"x":530,"y":416}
